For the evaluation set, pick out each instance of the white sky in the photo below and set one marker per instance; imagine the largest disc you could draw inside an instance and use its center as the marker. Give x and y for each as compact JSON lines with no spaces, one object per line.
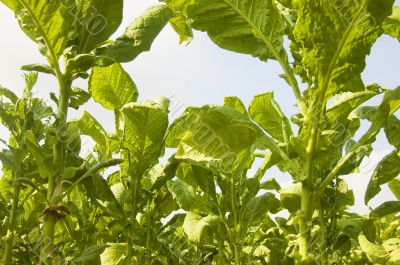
{"x":197,"y":74}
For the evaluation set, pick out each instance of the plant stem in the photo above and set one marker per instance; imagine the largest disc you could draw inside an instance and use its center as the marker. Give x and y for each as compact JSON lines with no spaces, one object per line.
{"x":11,"y":228}
{"x":135,"y":185}
{"x":60,"y":151}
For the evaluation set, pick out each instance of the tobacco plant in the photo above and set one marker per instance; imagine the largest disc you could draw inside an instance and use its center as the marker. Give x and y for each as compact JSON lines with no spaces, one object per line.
{"x":213,"y":200}
{"x":329,"y":41}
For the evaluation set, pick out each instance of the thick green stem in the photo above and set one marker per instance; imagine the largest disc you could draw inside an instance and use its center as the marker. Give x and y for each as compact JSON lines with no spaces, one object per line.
{"x":12,"y":226}
{"x":60,"y":150}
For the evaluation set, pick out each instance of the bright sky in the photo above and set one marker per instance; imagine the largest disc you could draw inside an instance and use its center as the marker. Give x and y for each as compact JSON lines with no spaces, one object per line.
{"x":198,"y":74}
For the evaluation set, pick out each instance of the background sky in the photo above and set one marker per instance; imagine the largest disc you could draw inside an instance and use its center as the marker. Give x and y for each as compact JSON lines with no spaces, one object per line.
{"x":197,"y":74}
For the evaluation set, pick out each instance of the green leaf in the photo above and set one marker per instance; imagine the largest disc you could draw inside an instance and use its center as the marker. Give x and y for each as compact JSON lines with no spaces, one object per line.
{"x":43,"y":162}
{"x":186,"y":197}
{"x":145,"y":124}
{"x":78,"y":97}
{"x":266,"y":112}
{"x":114,"y":254}
{"x":375,"y":253}
{"x":42,"y":68}
{"x":386,"y":208}
{"x":250,"y":27}
{"x":394,"y":186}
{"x":101,"y":18}
{"x":336,"y":37}
{"x":392,"y":246}
{"x":291,"y":197}
{"x":139,"y":35}
{"x":112,"y":87}
{"x":212,"y":134}
{"x":39,"y":18}
{"x":90,"y":253}
{"x":197,"y":176}
{"x":391,"y":26}
{"x":5,"y":92}
{"x":270,"y":184}
{"x":195,"y":225}
{"x":182,"y":28}
{"x":88,"y":125}
{"x":236,"y":103}
{"x":386,"y":170}
{"x":392,"y":129}
{"x":255,"y":210}
{"x":83,"y":62}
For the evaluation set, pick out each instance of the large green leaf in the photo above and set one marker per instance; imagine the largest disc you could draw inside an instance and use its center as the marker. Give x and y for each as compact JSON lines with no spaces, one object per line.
{"x":254,"y":27}
{"x":386,"y":170}
{"x":391,"y":25}
{"x":196,"y":226}
{"x":112,"y":87}
{"x":267,"y":113}
{"x":39,"y":19}
{"x":375,"y":253}
{"x":98,"y":20}
{"x":212,"y":134}
{"x":139,"y":35}
{"x":336,"y":37}
{"x":145,"y":124}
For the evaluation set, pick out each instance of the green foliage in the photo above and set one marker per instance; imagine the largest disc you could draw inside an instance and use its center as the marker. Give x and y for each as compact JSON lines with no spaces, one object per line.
{"x":213,"y":201}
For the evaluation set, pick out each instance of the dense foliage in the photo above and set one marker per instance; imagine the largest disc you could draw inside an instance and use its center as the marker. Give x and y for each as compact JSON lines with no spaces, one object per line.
{"x":122,"y":204}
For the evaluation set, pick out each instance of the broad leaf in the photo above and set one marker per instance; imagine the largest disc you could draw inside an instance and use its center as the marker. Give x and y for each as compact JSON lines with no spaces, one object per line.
{"x":374,"y":252}
{"x":291,"y":198}
{"x":386,"y":170}
{"x":112,"y":87}
{"x":99,"y":19}
{"x":212,"y":134}
{"x":255,"y":210}
{"x":266,"y":112}
{"x":386,"y":208}
{"x":336,"y":37}
{"x":139,"y":35}
{"x":145,"y":124}
{"x":196,"y":226}
{"x":250,"y":27}
{"x":186,"y":196}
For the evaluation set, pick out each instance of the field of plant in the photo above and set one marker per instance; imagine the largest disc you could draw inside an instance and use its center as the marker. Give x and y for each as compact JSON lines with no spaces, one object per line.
{"x":131,"y":200}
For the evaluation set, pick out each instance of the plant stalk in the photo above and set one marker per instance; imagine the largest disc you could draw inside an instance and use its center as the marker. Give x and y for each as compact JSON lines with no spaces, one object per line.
{"x":11,"y":228}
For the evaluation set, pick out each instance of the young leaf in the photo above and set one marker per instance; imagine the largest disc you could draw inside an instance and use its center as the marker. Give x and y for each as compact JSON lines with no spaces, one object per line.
{"x":139,"y":35}
{"x":386,"y":170}
{"x":42,"y":68}
{"x":112,"y":87}
{"x":5,"y":92}
{"x":186,"y":197}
